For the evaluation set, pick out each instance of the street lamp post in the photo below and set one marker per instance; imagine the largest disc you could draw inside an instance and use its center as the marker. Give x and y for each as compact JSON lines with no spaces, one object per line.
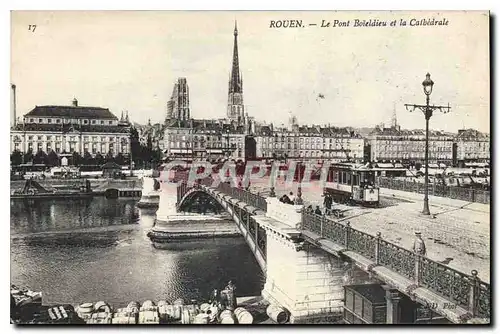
{"x":427,"y":109}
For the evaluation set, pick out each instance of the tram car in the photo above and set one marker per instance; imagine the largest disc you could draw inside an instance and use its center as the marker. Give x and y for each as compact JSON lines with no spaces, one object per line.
{"x":352,"y":183}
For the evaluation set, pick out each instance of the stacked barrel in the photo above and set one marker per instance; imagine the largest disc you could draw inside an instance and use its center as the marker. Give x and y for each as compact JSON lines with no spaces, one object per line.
{"x":148,"y":314}
{"x":127,"y":315}
{"x":98,"y":313}
{"x":162,"y":313}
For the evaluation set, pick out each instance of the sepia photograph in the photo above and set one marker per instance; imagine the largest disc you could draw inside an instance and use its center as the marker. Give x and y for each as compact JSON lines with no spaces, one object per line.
{"x":250,"y":167}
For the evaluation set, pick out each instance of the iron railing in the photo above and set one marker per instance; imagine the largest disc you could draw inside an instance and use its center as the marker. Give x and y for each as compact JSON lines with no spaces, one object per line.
{"x":460,"y":289}
{"x":453,"y":192}
{"x":243,"y":195}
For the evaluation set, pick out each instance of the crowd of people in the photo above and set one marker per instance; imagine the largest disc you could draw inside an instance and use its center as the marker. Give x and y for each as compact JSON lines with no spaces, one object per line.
{"x":327,"y":203}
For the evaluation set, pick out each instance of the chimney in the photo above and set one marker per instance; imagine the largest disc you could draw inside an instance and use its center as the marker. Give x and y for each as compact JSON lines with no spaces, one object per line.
{"x":14,"y":118}
{"x":75,"y":102}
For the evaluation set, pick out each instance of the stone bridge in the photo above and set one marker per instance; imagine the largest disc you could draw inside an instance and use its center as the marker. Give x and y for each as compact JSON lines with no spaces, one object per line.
{"x":308,"y":259}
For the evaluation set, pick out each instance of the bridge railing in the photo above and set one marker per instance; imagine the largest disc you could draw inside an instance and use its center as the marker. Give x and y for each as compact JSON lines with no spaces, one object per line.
{"x":243,"y":195}
{"x":453,"y":192}
{"x":461,"y":289}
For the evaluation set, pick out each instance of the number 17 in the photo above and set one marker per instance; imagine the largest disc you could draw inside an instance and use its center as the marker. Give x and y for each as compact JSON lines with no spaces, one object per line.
{"x":32,"y":27}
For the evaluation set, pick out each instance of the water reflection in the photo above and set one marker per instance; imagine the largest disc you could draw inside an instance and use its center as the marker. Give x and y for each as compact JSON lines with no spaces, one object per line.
{"x":113,"y":260}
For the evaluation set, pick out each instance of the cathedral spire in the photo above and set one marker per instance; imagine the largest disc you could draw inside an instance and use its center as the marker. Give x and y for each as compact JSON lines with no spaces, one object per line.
{"x":235,"y":107}
{"x":235,"y":82}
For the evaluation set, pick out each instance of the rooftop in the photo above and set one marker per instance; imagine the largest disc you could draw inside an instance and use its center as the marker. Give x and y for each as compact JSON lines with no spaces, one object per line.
{"x":204,"y":125}
{"x":71,"y":112}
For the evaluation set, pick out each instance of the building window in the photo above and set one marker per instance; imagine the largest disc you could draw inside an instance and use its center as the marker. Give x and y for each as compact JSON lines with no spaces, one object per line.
{"x":40,"y":120}
{"x":49,"y":120}
{"x":102,"y":122}
{"x":85,"y":121}
{"x":93,"y":121}
{"x":32,"y":120}
{"x":58,"y":121}
{"x":110,"y":122}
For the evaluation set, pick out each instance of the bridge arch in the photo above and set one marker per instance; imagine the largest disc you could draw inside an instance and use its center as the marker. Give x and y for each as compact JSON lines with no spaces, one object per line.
{"x":111,"y":193}
{"x":240,"y":212}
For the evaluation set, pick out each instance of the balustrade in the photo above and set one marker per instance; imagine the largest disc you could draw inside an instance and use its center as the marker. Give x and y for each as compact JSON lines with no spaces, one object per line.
{"x":453,"y":192}
{"x":459,"y":288}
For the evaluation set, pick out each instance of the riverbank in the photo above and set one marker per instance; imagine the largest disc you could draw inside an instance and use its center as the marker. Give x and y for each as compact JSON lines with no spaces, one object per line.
{"x":129,"y":182}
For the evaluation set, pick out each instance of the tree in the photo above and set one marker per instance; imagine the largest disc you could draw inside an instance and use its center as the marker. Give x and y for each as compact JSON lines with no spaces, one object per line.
{"x":40,"y":158}
{"x":16,"y":158}
{"x":135,"y":146}
{"x":87,"y":158}
{"x":149,"y":146}
{"x":99,"y":159}
{"x":28,"y":157}
{"x":76,"y":159}
{"x":120,"y":159}
{"x":109,"y":157}
{"x":52,"y":159}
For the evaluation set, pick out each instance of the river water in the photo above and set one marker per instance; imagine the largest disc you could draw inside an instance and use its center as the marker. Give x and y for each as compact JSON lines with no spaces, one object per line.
{"x":78,"y":251}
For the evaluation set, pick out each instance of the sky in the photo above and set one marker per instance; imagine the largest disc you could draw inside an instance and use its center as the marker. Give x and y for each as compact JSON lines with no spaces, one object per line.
{"x":131,"y":60}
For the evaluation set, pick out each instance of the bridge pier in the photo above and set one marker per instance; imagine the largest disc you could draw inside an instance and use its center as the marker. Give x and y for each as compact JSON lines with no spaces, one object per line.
{"x":150,"y":197}
{"x":167,"y":204}
{"x":301,"y":277}
{"x":393,"y":307}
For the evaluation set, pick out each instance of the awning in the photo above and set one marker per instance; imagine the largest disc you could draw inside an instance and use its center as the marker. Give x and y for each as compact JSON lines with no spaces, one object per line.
{"x":385,"y":165}
{"x":433,"y":166}
{"x":176,"y":150}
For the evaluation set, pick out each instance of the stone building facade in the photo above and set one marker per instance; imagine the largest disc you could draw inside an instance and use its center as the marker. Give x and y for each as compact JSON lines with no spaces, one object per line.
{"x":472,"y":146}
{"x":396,"y":144}
{"x":69,"y":129}
{"x":309,"y":143}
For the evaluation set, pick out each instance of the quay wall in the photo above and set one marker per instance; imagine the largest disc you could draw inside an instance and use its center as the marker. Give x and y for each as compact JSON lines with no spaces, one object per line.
{"x":130,"y":183}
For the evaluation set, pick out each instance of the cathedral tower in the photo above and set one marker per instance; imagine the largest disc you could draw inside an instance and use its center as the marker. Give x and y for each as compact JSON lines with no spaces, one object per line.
{"x":235,"y":108}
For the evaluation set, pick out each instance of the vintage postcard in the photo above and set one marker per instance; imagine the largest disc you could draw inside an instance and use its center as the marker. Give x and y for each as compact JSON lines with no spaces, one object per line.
{"x":191,"y":167}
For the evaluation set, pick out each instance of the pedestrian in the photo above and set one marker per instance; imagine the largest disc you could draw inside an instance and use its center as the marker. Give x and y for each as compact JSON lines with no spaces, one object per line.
{"x":419,"y":245}
{"x":328,"y":204}
{"x":285,"y":199}
{"x":231,"y":296}
{"x":292,"y":198}
{"x":318,"y":210}
{"x":310,"y":209}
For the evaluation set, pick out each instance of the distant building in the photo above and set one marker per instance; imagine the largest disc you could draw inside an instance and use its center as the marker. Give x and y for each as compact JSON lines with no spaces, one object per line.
{"x":68,"y":129}
{"x":155,"y":132}
{"x":178,"y":105}
{"x":204,"y":140}
{"x":471,"y":146}
{"x":395,"y":144}
{"x":316,"y":142}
